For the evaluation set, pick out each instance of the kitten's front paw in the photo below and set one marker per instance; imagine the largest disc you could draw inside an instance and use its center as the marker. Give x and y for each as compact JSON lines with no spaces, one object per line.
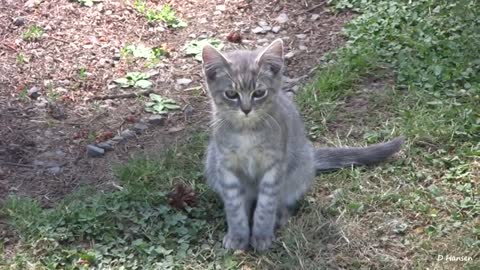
{"x":261,"y":242}
{"x":231,"y":241}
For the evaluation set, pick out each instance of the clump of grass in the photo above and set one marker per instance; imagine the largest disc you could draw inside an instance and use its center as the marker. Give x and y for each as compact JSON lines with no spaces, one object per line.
{"x":22,"y":59}
{"x":32,"y":33}
{"x":166,"y":14}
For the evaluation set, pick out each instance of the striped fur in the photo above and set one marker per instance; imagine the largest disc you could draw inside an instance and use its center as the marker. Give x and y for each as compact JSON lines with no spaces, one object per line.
{"x":260,"y":162}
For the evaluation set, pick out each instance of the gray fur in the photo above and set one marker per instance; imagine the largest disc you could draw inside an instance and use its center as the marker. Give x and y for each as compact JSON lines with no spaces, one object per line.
{"x":261,"y":162}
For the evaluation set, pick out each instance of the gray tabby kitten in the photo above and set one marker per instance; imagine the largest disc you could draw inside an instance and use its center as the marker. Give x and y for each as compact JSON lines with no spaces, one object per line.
{"x":259,"y":159}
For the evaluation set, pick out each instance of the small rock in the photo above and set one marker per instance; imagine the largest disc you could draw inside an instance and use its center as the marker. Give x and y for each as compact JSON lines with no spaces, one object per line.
{"x":41,"y":103}
{"x":64,"y":82}
{"x":94,"y":151}
{"x":107,"y":146}
{"x":157,"y":120}
{"x":19,"y":21}
{"x":117,"y":139}
{"x":314,"y":17}
{"x":262,"y":23}
{"x":217,"y":12}
{"x":54,"y":170}
{"x":192,"y":36}
{"x":221,"y":7}
{"x":183,"y":81}
{"x":116,"y":57}
{"x":276,"y":29}
{"x":258,"y":30}
{"x":127,"y":133}
{"x":139,"y":128}
{"x":289,"y":55}
{"x":266,"y":28}
{"x":33,"y":92}
{"x":282,"y":18}
{"x":302,"y":47}
{"x":301,"y":36}
{"x":108,"y":12}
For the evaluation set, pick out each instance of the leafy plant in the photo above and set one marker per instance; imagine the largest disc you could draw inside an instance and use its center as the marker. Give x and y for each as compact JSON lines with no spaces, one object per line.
{"x":141,"y":51}
{"x":134,"y":79}
{"x":160,"y":105}
{"x":166,"y":14}
{"x":21,"y":59}
{"x":195,"y":47}
{"x":82,"y":73}
{"x":23,"y":94}
{"x":33,"y":33}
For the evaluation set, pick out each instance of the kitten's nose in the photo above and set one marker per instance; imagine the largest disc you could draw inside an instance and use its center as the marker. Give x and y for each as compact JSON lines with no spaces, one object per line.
{"x":246,"y":110}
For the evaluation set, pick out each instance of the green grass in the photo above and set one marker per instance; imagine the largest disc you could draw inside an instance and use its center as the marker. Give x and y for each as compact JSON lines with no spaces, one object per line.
{"x":426,"y":203}
{"x":134,"y":227}
{"x":32,"y":33}
{"x":402,"y":214}
{"x":165,"y":14}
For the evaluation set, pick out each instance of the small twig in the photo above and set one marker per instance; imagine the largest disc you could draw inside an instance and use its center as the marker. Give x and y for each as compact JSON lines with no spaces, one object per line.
{"x":9,"y":47}
{"x":130,"y":95}
{"x":310,"y":9}
{"x":16,"y":164}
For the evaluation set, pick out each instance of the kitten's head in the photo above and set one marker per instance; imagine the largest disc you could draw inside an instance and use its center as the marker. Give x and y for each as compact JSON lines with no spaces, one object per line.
{"x":243,"y":84}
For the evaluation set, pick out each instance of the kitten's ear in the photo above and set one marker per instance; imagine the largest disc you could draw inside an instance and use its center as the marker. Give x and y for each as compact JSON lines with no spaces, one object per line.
{"x":213,"y":60}
{"x":272,"y":57}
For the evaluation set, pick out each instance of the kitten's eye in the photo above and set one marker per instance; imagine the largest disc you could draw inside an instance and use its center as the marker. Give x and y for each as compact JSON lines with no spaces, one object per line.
{"x":230,"y":94}
{"x":259,"y":93}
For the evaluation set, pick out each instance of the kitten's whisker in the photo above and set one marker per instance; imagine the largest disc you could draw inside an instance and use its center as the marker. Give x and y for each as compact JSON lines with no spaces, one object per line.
{"x":274,"y":120}
{"x":266,"y":121}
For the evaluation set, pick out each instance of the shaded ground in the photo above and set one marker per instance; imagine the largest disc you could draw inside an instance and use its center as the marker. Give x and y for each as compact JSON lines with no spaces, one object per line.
{"x":77,"y":58}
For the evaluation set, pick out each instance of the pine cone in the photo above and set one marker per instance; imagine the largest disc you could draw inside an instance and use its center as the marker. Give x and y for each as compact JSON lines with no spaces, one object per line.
{"x":182,"y":196}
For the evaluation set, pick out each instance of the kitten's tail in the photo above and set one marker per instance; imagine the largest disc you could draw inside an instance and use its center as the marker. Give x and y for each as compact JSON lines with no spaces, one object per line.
{"x":335,"y":158}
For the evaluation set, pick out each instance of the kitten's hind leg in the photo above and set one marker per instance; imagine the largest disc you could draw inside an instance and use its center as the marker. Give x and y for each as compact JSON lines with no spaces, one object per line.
{"x":284,"y":213}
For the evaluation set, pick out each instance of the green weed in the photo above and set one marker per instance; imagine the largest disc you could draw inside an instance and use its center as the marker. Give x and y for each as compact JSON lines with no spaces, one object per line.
{"x":166,"y":14}
{"x":134,"y":79}
{"x":160,"y":105}
{"x":33,"y":33}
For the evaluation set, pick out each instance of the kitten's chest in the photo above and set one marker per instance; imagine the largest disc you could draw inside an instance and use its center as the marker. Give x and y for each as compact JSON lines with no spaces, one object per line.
{"x":249,"y":154}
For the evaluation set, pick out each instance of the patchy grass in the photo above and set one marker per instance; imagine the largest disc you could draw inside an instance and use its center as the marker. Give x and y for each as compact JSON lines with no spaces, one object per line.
{"x":165,"y":14}
{"x":426,"y":204}
{"x":134,"y":227}
{"x":401,"y":215}
{"x":32,"y":33}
